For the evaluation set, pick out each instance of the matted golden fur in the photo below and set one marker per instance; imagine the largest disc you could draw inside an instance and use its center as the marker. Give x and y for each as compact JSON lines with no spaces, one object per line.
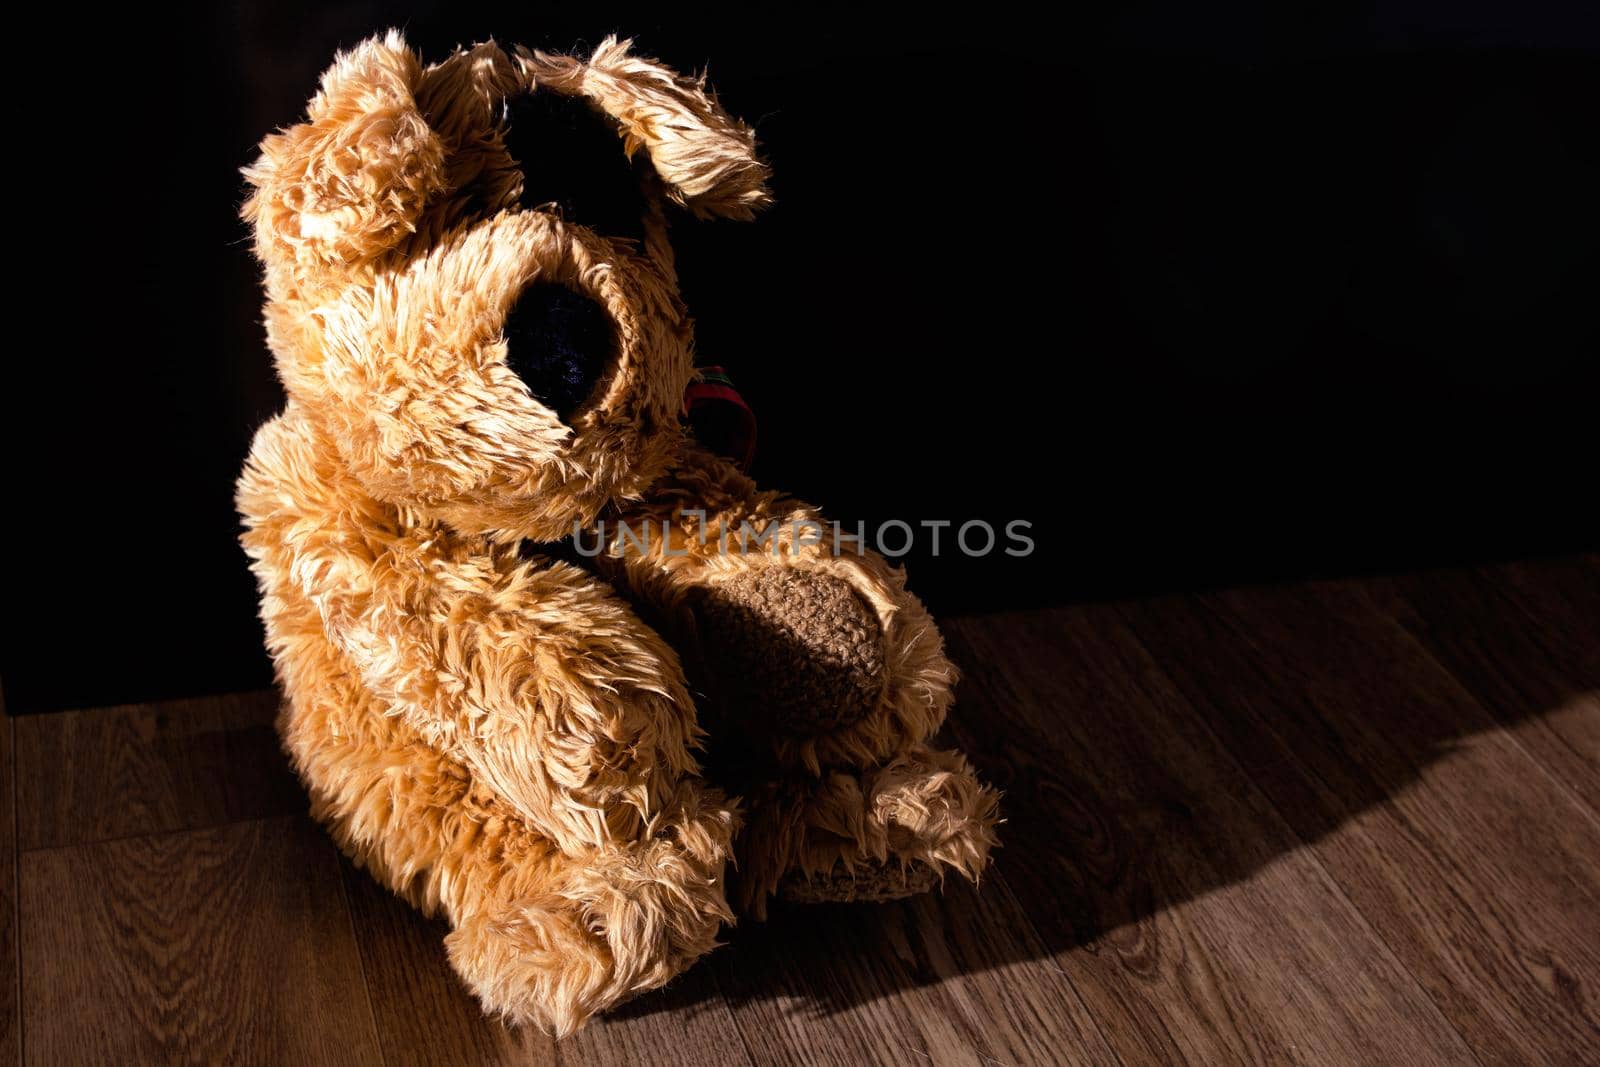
{"x":494,"y":733}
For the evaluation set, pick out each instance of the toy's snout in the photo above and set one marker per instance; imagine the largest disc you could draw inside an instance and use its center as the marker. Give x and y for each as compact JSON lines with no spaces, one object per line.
{"x":559,"y":342}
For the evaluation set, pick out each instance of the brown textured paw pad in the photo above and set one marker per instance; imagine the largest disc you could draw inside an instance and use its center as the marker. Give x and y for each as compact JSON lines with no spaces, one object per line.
{"x":801,"y":649}
{"x":869,"y":882}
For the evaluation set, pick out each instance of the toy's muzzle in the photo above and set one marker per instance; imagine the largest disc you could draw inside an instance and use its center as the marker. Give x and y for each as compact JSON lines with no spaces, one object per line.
{"x":560,"y":344}
{"x":596,"y":334}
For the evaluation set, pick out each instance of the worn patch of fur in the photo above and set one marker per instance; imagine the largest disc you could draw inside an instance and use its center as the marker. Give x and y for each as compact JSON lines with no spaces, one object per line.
{"x":799,"y":648}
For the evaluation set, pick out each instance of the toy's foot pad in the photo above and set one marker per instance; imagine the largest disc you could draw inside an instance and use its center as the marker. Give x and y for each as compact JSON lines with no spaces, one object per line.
{"x":868,"y":882}
{"x":801,"y":648}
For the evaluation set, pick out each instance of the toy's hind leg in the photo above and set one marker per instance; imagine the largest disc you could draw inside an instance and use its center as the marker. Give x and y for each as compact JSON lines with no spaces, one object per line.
{"x":539,"y":936}
{"x":876,"y":834}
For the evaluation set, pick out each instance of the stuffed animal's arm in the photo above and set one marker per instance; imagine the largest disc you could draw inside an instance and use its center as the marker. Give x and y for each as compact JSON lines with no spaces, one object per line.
{"x":706,"y":506}
{"x":537,"y":676}
{"x":838,"y":660}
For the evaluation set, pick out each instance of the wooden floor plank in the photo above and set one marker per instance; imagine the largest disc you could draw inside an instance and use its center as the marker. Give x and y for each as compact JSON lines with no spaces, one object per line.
{"x":10,"y":965}
{"x":1525,"y":641}
{"x":145,"y":768}
{"x":225,"y":945}
{"x":952,"y":978}
{"x":426,"y":1016}
{"x":1166,"y":886}
{"x":1476,"y":867}
{"x":1559,"y":592}
{"x":423,"y":1014}
{"x":1342,"y":822}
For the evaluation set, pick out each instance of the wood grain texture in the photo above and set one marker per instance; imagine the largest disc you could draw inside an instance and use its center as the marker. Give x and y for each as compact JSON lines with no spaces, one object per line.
{"x":949,"y":980}
{"x":426,"y":1016}
{"x":1168,"y":888}
{"x":1344,"y":822}
{"x":952,"y":978}
{"x":99,"y":774}
{"x":1463,"y":853}
{"x":10,"y":965}
{"x":226,"y":945}
{"x":1524,"y":639}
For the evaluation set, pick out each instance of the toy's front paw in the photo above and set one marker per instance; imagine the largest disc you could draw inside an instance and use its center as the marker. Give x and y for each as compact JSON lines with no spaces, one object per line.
{"x":798,"y":651}
{"x":803,"y":660}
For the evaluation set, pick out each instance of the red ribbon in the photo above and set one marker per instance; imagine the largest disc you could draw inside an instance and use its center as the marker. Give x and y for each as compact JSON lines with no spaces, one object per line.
{"x":722,"y":421}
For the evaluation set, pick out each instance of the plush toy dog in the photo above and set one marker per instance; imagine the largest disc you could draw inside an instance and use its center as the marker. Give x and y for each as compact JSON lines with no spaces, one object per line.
{"x":472,"y":305}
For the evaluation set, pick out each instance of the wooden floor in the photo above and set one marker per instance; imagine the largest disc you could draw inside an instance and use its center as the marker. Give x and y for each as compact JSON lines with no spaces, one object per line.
{"x":1338,"y":823}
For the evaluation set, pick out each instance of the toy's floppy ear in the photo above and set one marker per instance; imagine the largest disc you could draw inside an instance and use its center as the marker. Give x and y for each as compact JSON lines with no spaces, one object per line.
{"x":349,"y":183}
{"x":706,"y":157}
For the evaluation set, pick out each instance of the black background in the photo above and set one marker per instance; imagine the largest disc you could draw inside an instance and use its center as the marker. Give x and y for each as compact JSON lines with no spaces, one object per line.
{"x":1205,"y":295}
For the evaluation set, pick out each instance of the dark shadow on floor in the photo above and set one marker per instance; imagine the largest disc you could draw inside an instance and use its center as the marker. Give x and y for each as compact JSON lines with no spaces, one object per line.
{"x":1156,"y":751}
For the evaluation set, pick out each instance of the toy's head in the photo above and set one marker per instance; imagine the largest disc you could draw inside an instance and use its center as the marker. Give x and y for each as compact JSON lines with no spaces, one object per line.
{"x":470,"y":287}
